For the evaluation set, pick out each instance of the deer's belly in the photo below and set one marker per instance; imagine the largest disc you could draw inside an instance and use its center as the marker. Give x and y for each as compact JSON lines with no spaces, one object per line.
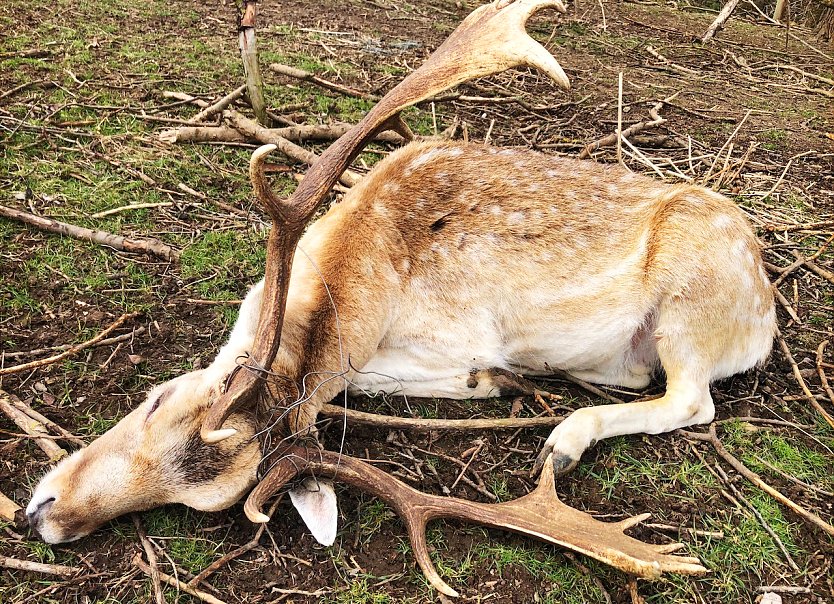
{"x":438,"y":358}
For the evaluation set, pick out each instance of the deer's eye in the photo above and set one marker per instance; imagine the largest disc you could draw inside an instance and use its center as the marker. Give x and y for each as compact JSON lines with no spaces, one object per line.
{"x":154,"y":406}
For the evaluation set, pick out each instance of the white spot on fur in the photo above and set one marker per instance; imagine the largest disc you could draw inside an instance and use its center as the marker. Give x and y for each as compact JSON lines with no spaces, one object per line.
{"x":390,"y":187}
{"x":553,"y":210}
{"x":405,"y":265}
{"x":507,"y":152}
{"x":552,"y":173}
{"x":516,"y":218}
{"x":738,"y":248}
{"x":457,"y":151}
{"x":423,"y":159}
{"x":533,"y":187}
{"x":722,"y":221}
{"x":440,"y":249}
{"x":495,"y":210}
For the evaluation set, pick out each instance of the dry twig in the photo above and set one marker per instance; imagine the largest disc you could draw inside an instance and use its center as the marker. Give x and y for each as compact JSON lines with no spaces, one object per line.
{"x":159,"y":597}
{"x":30,"y":425}
{"x":306,"y":76}
{"x":145,"y":246}
{"x":798,"y":375}
{"x":169,"y":580}
{"x":712,"y":438}
{"x":71,"y":351}
{"x":9,"y":510}
{"x":427,"y":425}
{"x":38,"y":567}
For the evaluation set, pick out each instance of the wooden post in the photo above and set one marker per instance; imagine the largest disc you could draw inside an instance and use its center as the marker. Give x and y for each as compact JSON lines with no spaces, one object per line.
{"x":779,"y":10}
{"x":249,"y":54}
{"x":722,"y":17}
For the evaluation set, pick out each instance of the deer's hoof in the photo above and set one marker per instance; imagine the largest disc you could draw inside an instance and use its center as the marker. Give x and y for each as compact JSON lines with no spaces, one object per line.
{"x":562,"y":464}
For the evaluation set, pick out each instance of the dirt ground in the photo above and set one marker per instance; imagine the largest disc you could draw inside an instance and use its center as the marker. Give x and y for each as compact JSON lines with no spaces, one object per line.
{"x":749,"y":114}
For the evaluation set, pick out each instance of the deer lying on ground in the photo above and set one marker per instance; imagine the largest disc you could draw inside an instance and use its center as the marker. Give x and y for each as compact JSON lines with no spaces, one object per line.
{"x":446,"y":271}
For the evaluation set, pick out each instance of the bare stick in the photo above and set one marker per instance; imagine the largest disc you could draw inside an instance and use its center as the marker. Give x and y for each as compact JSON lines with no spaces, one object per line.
{"x":64,"y":434}
{"x":288,"y":148}
{"x":249,"y":54}
{"x":159,"y":597}
{"x":427,"y":425}
{"x":720,"y":20}
{"x":222,"y":561}
{"x":220,"y":105}
{"x":300,"y":74}
{"x":612,"y":138}
{"x":145,"y":246}
{"x":38,"y":351}
{"x":827,"y":275}
{"x":9,"y":510}
{"x":70,"y":352}
{"x":739,"y":467}
{"x":786,"y":305}
{"x":30,"y":426}
{"x":225,"y":134}
{"x":794,"y":479}
{"x":130,"y":207}
{"x":169,"y":580}
{"x":37,"y":567}
{"x":798,"y":375}
{"x":564,"y":375}
{"x":821,"y":372}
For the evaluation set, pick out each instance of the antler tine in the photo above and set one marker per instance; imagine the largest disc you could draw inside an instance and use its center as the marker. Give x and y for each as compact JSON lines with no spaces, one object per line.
{"x":490,"y":40}
{"x":538,"y":514}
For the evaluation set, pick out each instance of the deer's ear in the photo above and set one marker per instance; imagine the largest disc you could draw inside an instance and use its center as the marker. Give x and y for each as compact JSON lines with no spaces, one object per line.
{"x":315,"y":501}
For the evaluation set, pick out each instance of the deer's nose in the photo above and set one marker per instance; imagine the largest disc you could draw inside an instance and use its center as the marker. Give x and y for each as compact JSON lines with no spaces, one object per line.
{"x":34,"y":513}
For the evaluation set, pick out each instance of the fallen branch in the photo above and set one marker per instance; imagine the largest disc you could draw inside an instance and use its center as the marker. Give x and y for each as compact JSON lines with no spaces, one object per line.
{"x":712,"y":438}
{"x":288,"y":148}
{"x":220,"y":105}
{"x":63,"y":434}
{"x":817,"y":270}
{"x":226,"y":134}
{"x":798,"y":375}
{"x":611,"y":139}
{"x":145,"y":246}
{"x":427,"y":425}
{"x":10,"y":511}
{"x":222,"y":561}
{"x":30,"y":426}
{"x":38,"y":351}
{"x":300,"y":74}
{"x":821,"y":372}
{"x":720,"y":20}
{"x":169,"y":580}
{"x":132,"y":206}
{"x":71,"y":351}
{"x":159,"y":597}
{"x":38,"y":567}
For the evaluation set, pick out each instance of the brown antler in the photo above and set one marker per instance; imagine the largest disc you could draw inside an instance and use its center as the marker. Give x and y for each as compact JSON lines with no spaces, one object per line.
{"x":490,"y":40}
{"x":539,"y":514}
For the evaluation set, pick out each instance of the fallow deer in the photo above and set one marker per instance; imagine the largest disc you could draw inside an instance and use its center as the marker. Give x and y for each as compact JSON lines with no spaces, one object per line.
{"x":448,"y":269}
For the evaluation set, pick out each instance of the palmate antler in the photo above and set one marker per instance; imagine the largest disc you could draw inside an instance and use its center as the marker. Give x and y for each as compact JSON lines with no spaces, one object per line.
{"x":490,"y":40}
{"x":539,"y":514}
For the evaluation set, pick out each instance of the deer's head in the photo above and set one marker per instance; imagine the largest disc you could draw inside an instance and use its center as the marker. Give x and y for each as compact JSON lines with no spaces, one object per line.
{"x":151,"y":457}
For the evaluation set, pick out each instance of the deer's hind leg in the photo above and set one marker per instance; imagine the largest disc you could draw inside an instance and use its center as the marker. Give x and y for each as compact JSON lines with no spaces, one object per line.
{"x":688,"y":361}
